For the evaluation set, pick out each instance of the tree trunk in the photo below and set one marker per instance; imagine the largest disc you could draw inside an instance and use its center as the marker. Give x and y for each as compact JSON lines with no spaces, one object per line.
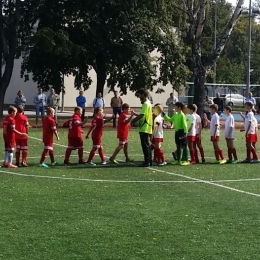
{"x":101,"y":75}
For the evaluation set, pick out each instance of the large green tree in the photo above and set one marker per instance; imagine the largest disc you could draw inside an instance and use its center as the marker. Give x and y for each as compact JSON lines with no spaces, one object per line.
{"x":16,"y":22}
{"x":115,"y":38}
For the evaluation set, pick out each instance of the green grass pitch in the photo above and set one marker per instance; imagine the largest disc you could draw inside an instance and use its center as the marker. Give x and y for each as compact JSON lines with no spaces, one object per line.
{"x":124,"y":212}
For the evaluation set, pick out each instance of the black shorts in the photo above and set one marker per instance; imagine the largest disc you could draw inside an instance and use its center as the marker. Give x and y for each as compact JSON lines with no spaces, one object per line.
{"x":180,"y":138}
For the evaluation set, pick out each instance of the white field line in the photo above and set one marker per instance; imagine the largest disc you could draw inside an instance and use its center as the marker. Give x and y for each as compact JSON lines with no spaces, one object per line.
{"x":161,"y":171}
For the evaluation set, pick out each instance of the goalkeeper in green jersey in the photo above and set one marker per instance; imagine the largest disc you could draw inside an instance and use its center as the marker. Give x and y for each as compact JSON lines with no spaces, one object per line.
{"x":181,"y":130}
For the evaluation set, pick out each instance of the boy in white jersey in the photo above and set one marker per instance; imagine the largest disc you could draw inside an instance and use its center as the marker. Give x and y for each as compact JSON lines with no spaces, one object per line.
{"x":214,"y":133}
{"x":191,"y":136}
{"x":157,"y":136}
{"x":251,"y":137}
{"x":198,"y":138}
{"x":229,"y":135}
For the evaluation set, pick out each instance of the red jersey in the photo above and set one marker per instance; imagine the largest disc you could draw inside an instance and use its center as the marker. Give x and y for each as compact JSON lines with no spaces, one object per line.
{"x":8,"y":127}
{"x":74,"y":129}
{"x":21,"y":124}
{"x":122,"y":127}
{"x":49,"y":126}
{"x":98,"y":125}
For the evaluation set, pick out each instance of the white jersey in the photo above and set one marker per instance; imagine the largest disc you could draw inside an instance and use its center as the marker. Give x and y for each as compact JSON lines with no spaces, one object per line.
{"x":197,"y":123}
{"x":230,"y":123}
{"x":250,"y":118}
{"x":158,"y":121}
{"x":213,"y":123}
{"x":191,"y":119}
{"x":256,"y":124}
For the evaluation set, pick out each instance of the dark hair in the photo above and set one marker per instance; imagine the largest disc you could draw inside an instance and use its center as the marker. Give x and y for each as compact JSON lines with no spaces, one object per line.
{"x":142,"y":91}
{"x":192,"y":107}
{"x":179,"y":105}
{"x":228,"y":108}
{"x":214,"y":106}
{"x":250,"y":104}
{"x":20,"y":109}
{"x":76,"y":109}
{"x":125,"y":106}
{"x":157,"y":104}
{"x":11,"y":109}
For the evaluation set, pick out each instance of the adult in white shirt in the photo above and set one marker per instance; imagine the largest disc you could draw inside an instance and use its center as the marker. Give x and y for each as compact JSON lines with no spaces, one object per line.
{"x":251,"y":99}
{"x":40,"y":101}
{"x":98,"y":102}
{"x":170,"y":102}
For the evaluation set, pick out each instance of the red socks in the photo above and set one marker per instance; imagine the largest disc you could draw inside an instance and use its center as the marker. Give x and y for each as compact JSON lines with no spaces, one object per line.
{"x":159,"y":155}
{"x":51,"y":154}
{"x":17,"y":157}
{"x":67,"y":154}
{"x":80,"y":154}
{"x":91,"y":155}
{"x":101,"y":154}
{"x":192,"y":155}
{"x":44,"y":154}
{"x":24,"y":155}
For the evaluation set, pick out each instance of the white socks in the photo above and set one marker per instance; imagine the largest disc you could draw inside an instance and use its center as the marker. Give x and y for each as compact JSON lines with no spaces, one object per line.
{"x":9,"y":157}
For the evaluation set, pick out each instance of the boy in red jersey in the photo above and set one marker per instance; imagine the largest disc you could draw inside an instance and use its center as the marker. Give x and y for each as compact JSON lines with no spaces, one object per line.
{"x":21,"y":125}
{"x":122,"y":133}
{"x":9,"y":132}
{"x":96,"y":128}
{"x":155,"y":159}
{"x":75,"y":141}
{"x":49,"y":128}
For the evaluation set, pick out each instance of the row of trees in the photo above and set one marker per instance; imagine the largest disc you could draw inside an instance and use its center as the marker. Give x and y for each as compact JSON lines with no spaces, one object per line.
{"x":116,"y":39}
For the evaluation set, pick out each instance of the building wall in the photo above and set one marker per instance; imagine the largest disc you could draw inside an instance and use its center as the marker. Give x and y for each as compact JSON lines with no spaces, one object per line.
{"x":30,"y":89}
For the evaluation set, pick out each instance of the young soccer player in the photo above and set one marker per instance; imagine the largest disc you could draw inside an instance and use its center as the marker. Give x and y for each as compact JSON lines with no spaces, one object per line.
{"x":75,"y":140}
{"x":122,"y":133}
{"x":21,"y":125}
{"x":214,"y":133}
{"x":181,"y":131}
{"x":198,"y":138}
{"x":229,"y":135}
{"x":152,"y":146}
{"x":48,"y":129}
{"x":250,"y":129}
{"x":96,"y":128}
{"x":9,"y":132}
{"x":157,"y":136}
{"x":191,"y":137}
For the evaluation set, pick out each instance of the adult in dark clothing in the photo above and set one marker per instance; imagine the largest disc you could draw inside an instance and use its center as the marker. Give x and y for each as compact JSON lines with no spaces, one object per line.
{"x":218,"y":101}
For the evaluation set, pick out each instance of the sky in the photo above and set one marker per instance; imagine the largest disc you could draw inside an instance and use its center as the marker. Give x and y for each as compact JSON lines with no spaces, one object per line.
{"x":234,"y":2}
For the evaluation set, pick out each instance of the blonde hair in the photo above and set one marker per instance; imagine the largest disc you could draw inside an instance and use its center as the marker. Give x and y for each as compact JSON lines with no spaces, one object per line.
{"x":49,"y":110}
{"x":159,"y":108}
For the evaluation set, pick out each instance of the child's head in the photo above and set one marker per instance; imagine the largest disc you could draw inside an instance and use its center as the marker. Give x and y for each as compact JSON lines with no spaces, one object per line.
{"x":185,"y":110}
{"x":50,"y":111}
{"x":178,"y":106}
{"x":20,"y":109}
{"x":227,"y":110}
{"x":99,"y":111}
{"x":12,"y":111}
{"x":192,"y":108}
{"x":78,"y":111}
{"x":158,"y":109}
{"x":213,"y":108}
{"x":125,"y":108}
{"x":248,"y":106}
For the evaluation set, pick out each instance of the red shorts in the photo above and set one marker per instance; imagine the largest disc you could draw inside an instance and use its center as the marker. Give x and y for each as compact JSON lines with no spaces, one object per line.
{"x":198,"y":140}
{"x":97,"y":143}
{"x":123,"y":142}
{"x":191,"y":138}
{"x":9,"y":146}
{"x":216,"y":139}
{"x":157,"y":140}
{"x":22,"y":144}
{"x":251,"y":138}
{"x":75,"y":143}
{"x":48,"y":146}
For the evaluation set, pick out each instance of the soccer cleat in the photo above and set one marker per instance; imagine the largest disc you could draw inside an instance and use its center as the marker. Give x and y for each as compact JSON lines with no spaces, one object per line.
{"x":113,"y":161}
{"x":193,"y":162}
{"x":67,"y":162}
{"x":17,"y":164}
{"x":216,"y":162}
{"x":5,"y":164}
{"x":11,"y":166}
{"x":222,"y":161}
{"x":255,"y":161}
{"x":24,"y":164}
{"x":44,"y":165}
{"x":90,"y":163}
{"x":104,"y":162}
{"x":185,"y":163}
{"x":203,"y":161}
{"x":82,"y":161}
{"x":144,"y":165}
{"x":246,"y":161}
{"x":176,"y":163}
{"x":54,"y":163}
{"x":162,"y":164}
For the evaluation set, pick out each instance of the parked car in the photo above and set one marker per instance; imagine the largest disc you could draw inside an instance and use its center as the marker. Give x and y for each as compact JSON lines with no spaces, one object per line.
{"x":233,"y":99}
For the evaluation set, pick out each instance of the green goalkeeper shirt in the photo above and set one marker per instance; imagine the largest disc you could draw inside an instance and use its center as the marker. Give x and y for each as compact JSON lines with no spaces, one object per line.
{"x":179,"y":121}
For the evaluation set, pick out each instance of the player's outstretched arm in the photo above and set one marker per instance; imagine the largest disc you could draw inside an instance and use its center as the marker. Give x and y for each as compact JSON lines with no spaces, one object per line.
{"x":89,"y":131}
{"x":57,"y":135}
{"x":167,"y":118}
{"x":19,"y":133}
{"x":109,"y":119}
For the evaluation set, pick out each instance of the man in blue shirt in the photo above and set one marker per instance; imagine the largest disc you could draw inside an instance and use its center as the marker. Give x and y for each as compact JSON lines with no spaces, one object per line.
{"x":251,"y":99}
{"x":81,"y":102}
{"x":98,"y":102}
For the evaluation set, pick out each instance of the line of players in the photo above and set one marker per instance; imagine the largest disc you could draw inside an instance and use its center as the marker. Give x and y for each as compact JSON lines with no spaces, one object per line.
{"x":187,"y":135}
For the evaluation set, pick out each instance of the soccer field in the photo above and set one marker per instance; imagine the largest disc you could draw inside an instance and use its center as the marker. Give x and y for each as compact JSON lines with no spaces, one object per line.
{"x":125,"y":212}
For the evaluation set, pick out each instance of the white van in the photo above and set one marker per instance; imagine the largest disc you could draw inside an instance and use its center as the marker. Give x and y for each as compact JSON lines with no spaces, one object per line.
{"x":233,"y":99}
